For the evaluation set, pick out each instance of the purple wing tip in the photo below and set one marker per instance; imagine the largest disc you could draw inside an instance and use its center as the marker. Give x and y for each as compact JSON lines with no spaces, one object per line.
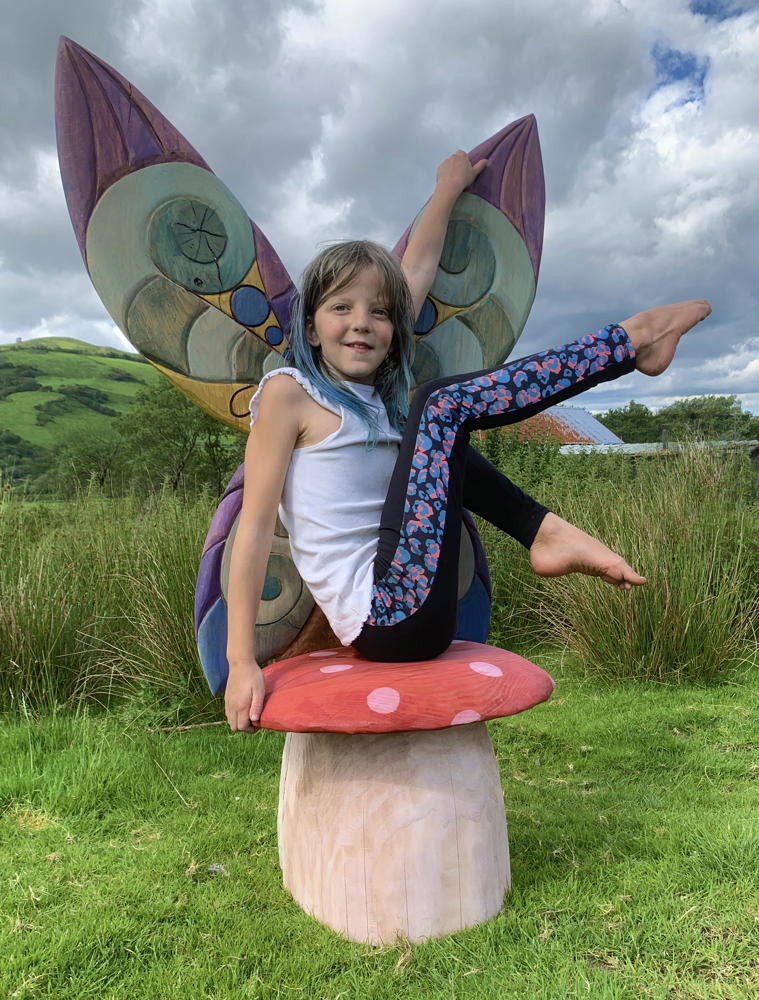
{"x":106,"y":129}
{"x":512,"y":182}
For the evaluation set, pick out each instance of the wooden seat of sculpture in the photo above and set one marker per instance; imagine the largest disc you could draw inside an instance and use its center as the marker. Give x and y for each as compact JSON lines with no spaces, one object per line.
{"x":338,"y":691}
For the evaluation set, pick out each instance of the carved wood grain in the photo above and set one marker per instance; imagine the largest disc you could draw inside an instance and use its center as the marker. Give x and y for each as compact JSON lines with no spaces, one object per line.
{"x":396,"y":834}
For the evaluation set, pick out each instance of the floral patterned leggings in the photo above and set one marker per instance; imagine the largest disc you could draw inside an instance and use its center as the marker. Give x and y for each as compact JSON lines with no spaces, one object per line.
{"x":413,"y":606}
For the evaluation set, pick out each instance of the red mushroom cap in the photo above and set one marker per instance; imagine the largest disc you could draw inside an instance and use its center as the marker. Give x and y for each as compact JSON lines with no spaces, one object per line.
{"x":336,"y":691}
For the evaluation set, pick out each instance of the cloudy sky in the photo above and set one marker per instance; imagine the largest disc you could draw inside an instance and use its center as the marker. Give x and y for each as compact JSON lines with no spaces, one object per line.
{"x":328,"y":119}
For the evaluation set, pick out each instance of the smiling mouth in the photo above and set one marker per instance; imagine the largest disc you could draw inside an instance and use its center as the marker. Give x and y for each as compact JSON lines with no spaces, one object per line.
{"x":359,"y":345}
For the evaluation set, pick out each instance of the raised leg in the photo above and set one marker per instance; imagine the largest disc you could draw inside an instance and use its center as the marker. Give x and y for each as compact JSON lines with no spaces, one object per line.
{"x":490,"y":494}
{"x":413,"y":601}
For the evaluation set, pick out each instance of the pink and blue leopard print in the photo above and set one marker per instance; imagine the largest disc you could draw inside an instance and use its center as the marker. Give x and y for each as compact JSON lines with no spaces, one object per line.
{"x":512,"y":392}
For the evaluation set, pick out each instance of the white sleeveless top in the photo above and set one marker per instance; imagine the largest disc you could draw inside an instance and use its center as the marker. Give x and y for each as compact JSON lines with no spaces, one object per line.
{"x":331,"y":505}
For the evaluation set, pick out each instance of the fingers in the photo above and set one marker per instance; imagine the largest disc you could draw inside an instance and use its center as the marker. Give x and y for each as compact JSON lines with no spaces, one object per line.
{"x":478,"y":167}
{"x":257,"y":700}
{"x":245,"y":720}
{"x":459,"y":171}
{"x":244,"y":701}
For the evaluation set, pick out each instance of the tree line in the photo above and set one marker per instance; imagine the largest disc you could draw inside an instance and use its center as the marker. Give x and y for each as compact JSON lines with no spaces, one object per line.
{"x":708,"y":418}
{"x":165,"y":441}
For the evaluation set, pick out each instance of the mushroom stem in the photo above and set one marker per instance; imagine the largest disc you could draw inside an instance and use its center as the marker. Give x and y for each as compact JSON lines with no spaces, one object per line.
{"x":394,"y":834}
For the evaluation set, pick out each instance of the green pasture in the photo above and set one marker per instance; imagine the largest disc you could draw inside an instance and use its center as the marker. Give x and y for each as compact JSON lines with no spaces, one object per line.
{"x":66,"y":362}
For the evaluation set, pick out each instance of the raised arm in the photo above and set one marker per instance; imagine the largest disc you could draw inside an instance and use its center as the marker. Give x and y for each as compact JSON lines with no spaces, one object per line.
{"x":425,"y":244}
{"x":267,"y":457}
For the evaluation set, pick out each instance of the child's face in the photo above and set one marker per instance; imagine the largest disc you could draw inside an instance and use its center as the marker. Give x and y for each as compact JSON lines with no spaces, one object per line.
{"x":353,"y":328}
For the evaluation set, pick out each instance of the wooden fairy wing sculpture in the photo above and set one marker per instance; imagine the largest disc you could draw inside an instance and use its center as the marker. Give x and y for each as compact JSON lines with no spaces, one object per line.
{"x":196,"y":287}
{"x":483,"y":292}
{"x":289,"y":621}
{"x":485,"y":284}
{"x":191,"y":281}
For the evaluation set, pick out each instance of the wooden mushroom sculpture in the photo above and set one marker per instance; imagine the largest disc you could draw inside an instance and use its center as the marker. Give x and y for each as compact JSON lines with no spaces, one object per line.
{"x":391,"y":818}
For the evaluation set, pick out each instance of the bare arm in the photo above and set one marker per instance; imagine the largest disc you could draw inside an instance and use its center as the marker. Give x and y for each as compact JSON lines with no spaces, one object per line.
{"x":267,"y":457}
{"x":425,"y":244}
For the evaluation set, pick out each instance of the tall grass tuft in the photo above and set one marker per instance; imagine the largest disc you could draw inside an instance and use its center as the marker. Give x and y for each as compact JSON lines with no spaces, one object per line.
{"x":160,"y":641}
{"x":96,"y":598}
{"x":96,"y":595}
{"x":689,"y":524}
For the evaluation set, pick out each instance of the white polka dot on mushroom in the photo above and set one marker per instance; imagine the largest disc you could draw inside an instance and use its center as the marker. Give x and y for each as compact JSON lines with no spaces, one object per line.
{"x":323,"y":652}
{"x":483,"y":667}
{"x":335,"y":668}
{"x":467,"y":715}
{"x":383,"y":700}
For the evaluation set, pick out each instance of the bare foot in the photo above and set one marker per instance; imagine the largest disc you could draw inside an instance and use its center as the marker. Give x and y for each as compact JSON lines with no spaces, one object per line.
{"x":561,"y":548}
{"x":656,"y":332}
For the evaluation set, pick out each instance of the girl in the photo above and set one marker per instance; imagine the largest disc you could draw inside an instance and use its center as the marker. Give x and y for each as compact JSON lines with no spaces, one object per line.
{"x":382,"y":561}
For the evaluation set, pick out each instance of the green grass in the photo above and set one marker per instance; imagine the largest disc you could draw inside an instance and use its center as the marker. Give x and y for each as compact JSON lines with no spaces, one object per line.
{"x":96,"y":598}
{"x":141,"y":864}
{"x":70,"y":344}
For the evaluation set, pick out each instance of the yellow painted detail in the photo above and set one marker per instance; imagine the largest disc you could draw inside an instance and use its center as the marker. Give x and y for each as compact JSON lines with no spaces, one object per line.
{"x":444,"y":312}
{"x":215,"y":397}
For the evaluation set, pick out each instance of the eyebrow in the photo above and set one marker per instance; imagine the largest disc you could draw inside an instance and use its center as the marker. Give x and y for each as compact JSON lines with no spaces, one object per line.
{"x":383,"y":301}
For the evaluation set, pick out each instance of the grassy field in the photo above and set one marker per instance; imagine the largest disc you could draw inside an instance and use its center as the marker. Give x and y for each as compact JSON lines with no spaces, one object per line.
{"x":143,"y":864}
{"x":139,"y":858}
{"x":68,"y":636}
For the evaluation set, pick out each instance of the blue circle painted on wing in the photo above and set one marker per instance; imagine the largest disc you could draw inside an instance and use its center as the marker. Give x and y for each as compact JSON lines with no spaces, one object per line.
{"x":427,"y":317}
{"x":249,"y":305}
{"x":274,"y":335}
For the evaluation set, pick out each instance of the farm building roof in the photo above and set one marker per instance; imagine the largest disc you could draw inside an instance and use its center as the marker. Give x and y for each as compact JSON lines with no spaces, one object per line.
{"x":568,"y":425}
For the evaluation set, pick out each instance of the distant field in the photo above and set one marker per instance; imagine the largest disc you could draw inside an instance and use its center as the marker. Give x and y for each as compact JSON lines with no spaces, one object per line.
{"x":55,"y":363}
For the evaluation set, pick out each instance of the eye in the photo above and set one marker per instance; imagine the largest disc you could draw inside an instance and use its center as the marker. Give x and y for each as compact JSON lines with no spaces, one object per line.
{"x":382,"y":311}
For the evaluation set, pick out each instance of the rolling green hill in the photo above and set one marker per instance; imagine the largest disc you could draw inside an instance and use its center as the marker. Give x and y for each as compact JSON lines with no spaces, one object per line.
{"x":53,"y":388}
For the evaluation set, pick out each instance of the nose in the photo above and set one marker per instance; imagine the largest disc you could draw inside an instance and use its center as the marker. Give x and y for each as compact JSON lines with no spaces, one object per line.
{"x":361,"y":319}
